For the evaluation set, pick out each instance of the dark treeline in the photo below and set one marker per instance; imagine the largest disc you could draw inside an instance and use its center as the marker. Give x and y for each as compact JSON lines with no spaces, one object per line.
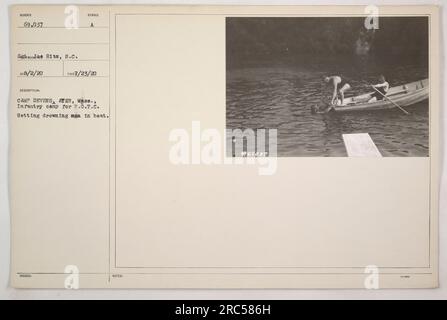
{"x":264,"y":39}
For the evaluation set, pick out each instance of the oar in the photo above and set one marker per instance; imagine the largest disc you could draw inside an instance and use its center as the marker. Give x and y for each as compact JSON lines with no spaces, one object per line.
{"x":403,"y":110}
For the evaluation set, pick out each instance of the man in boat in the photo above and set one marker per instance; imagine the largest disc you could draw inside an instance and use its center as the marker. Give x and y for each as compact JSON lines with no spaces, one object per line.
{"x":340,"y":86}
{"x":380,"y":89}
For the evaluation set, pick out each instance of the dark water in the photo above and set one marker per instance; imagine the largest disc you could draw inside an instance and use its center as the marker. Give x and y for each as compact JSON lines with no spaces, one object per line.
{"x":281,"y":96}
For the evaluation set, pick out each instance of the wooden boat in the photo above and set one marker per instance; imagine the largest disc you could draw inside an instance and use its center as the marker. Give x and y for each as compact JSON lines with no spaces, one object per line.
{"x":404,"y":95}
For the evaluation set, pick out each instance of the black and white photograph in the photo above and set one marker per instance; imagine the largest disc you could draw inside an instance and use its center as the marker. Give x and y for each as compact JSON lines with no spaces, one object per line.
{"x":331,"y":86}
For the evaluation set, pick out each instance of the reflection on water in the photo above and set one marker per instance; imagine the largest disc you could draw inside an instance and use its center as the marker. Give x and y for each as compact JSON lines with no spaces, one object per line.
{"x":281,"y":97}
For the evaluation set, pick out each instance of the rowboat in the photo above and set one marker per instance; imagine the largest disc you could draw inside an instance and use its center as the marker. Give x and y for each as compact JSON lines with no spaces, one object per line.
{"x":404,"y":95}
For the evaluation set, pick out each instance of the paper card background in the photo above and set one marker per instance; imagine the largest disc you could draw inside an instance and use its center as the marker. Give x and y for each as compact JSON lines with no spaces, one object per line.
{"x":175,"y":293}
